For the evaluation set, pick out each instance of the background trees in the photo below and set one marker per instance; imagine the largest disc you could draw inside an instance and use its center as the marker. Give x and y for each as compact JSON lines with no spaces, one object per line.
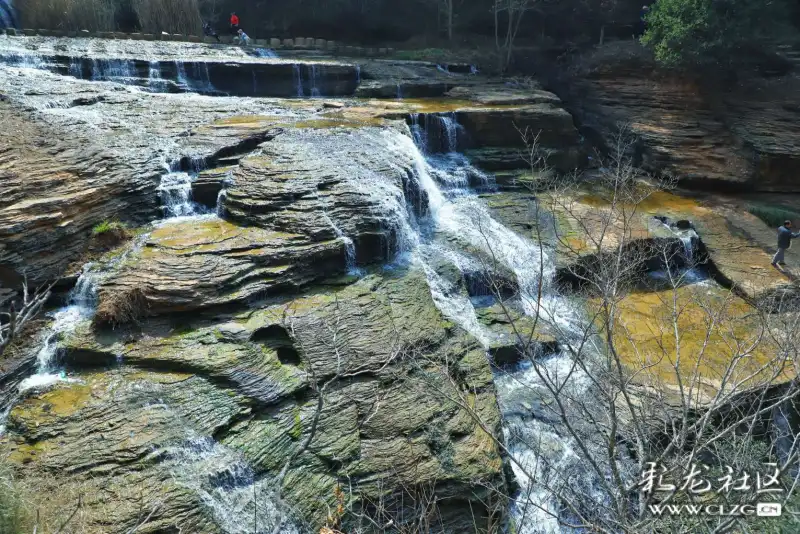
{"x":700,"y":33}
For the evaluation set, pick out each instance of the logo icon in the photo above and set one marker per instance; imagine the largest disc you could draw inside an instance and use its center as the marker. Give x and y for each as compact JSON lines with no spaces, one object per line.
{"x":768,"y":509}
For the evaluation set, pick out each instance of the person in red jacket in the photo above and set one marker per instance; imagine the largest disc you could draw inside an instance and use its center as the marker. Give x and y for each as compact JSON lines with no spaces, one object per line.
{"x":234,"y":23}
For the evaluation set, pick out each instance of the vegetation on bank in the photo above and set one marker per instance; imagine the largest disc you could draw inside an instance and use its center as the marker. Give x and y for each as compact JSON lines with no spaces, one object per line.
{"x":149,"y":16}
{"x":774,"y":217}
{"x":696,"y":34}
{"x":107,"y":227}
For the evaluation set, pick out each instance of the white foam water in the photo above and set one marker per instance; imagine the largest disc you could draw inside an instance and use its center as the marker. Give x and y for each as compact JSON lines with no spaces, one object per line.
{"x":227,"y":486}
{"x":81,"y":307}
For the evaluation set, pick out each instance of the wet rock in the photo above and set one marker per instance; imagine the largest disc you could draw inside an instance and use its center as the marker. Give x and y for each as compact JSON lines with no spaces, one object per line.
{"x":208,"y":185}
{"x":388,"y":430}
{"x":326,"y":182}
{"x":196,"y":264}
{"x":64,"y":173}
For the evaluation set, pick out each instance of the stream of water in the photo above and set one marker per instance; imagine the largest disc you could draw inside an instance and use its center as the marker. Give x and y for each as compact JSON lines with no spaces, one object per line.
{"x":456,"y":214}
{"x":454,"y":226}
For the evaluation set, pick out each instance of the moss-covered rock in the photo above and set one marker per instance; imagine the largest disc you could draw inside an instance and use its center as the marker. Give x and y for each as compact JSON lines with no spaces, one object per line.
{"x":143,"y":403}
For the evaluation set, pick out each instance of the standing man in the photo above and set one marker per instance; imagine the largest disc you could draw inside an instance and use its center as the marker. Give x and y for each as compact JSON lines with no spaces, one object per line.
{"x":643,"y":19}
{"x":234,"y":23}
{"x":785,"y":237}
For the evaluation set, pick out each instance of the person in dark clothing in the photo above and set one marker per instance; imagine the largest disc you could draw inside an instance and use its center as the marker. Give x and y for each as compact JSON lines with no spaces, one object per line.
{"x":209,"y":31}
{"x":785,"y":237}
{"x":234,"y":23}
{"x":643,"y":19}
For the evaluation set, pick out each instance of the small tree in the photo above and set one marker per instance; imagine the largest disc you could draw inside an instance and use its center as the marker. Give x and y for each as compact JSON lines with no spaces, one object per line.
{"x":514,"y":11}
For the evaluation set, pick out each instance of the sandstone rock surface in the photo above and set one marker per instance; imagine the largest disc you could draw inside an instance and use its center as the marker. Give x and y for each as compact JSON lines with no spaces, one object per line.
{"x":739,"y":137}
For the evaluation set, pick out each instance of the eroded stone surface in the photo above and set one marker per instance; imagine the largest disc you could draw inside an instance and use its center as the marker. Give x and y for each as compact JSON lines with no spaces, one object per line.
{"x":390,"y":427}
{"x":199,"y":263}
{"x":737,"y":137}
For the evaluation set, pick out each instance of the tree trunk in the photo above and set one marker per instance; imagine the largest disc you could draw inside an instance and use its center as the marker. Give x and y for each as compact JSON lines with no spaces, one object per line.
{"x":450,"y":20}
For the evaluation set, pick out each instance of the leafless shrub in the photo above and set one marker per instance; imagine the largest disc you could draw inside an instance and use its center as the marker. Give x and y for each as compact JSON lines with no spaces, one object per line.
{"x":20,"y":313}
{"x":92,"y":15}
{"x":699,"y":382}
{"x":171,"y":16}
{"x":154,"y":16}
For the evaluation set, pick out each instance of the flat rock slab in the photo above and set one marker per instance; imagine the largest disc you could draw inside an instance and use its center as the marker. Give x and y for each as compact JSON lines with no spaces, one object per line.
{"x":197,"y":263}
{"x":739,"y":244}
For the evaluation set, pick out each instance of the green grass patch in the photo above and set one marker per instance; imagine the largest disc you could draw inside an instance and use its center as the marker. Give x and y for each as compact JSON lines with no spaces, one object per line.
{"x":108,"y":226}
{"x":774,"y":217}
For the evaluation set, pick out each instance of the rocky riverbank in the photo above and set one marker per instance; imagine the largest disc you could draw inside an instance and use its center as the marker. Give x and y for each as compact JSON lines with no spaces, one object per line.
{"x":318,"y":306}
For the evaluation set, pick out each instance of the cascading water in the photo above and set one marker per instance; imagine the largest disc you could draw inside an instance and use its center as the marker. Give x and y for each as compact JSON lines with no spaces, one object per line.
{"x":456,"y":214}
{"x":266,"y":53}
{"x":75,"y":68}
{"x":226,"y":484}
{"x":315,"y":92}
{"x":154,"y":80}
{"x":23,"y":61}
{"x":298,"y":80}
{"x":81,"y":306}
{"x":199,"y":81}
{"x":436,"y":132}
{"x":349,"y":248}
{"x":118,"y":70}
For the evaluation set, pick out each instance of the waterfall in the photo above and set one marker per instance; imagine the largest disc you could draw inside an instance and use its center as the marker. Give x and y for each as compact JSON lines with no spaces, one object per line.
{"x":358,"y":74}
{"x":456,"y":214}
{"x":180,"y":70}
{"x":203,"y":78}
{"x":227,"y":486}
{"x":80,"y":307}
{"x":436,"y":132}
{"x":349,"y":247}
{"x":154,"y":80}
{"x":23,"y":61}
{"x":75,"y":68}
{"x":298,"y":80}
{"x":267,"y":53}
{"x":175,"y":191}
{"x":200,"y":81}
{"x":399,"y":91}
{"x":118,"y":70}
{"x":688,"y":238}
{"x":315,"y":93}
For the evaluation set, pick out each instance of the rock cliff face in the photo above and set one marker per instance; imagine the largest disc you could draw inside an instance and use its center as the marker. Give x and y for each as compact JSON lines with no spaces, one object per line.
{"x":734,"y":138}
